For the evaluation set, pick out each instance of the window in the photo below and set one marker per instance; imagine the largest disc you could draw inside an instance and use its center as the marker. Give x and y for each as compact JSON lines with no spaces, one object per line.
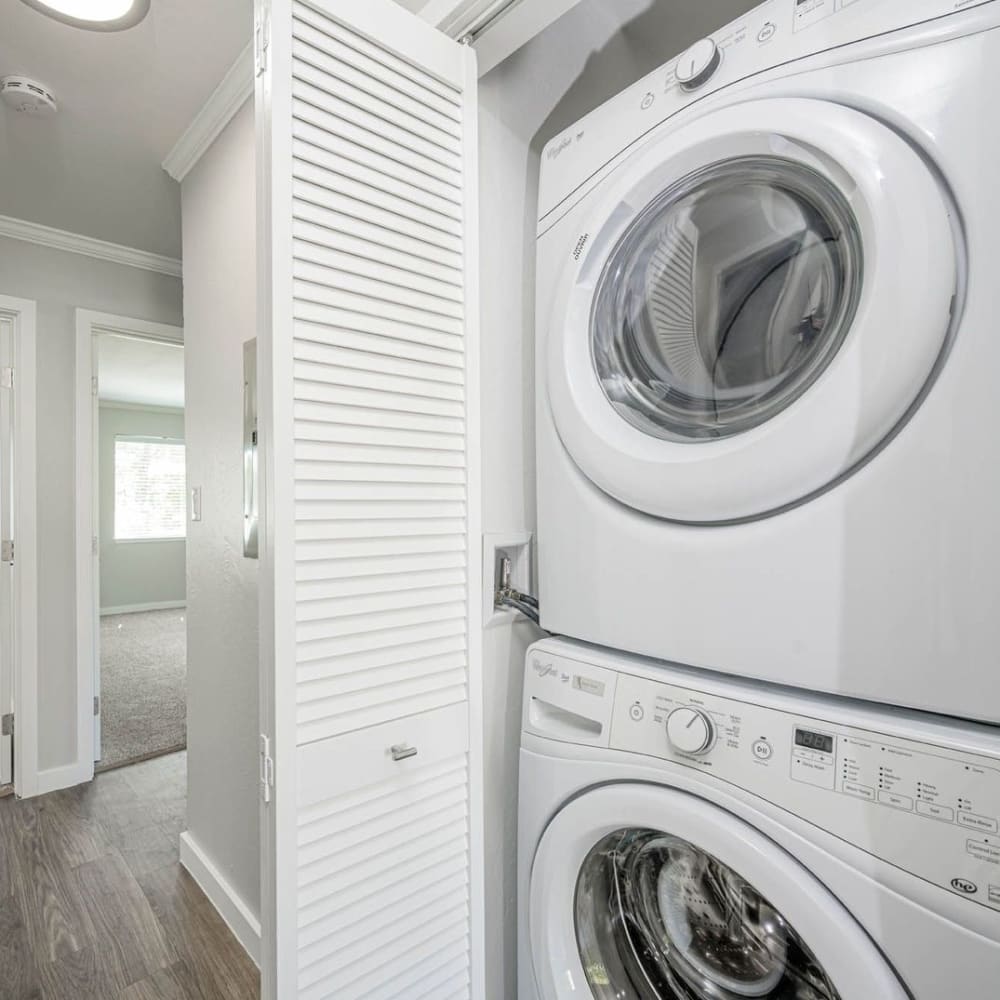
{"x":149,"y":488}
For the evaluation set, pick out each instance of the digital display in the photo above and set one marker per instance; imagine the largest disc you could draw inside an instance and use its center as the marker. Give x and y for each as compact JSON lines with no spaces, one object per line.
{"x":814,"y":741}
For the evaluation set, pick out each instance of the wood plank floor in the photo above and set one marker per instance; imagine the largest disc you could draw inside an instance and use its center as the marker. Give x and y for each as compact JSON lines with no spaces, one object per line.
{"x":94,"y":903}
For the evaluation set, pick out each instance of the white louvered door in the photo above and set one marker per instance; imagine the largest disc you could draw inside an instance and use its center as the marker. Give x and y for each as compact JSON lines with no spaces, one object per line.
{"x":369,"y":438}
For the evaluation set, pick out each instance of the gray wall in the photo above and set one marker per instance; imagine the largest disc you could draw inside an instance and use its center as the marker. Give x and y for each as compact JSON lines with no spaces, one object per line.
{"x":139,"y":572}
{"x":589,"y":55}
{"x":219,"y":306}
{"x":61,"y":282}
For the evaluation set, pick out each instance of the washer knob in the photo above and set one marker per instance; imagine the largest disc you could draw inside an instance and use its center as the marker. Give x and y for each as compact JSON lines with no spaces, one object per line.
{"x":698,"y":64}
{"x":690,"y":730}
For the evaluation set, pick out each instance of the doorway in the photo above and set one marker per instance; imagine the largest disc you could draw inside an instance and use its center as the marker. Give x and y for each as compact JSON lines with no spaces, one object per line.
{"x":134,"y":586}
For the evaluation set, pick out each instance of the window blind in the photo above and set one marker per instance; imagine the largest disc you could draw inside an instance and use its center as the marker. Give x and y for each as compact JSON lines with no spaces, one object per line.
{"x":149,"y":488}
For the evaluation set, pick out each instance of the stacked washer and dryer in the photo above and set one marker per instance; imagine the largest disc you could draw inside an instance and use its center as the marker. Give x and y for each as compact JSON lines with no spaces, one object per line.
{"x":768,"y":419}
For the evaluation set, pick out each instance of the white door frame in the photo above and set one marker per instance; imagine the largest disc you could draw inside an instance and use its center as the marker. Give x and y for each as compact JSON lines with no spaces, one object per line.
{"x":89,"y":325}
{"x":25,"y":589}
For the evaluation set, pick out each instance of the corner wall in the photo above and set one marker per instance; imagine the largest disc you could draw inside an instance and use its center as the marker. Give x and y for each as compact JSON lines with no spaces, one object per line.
{"x":61,"y":282}
{"x":218,"y":199}
{"x":590,"y":54}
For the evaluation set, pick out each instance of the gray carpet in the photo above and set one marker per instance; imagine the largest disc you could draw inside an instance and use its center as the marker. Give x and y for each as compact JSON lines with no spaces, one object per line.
{"x":143,"y":678}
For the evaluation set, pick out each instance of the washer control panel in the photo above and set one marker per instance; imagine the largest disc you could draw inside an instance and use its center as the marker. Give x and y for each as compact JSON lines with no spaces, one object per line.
{"x":931,"y":810}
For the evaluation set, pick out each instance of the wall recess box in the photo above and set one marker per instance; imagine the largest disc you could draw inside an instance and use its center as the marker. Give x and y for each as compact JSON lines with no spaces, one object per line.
{"x":516,"y":546}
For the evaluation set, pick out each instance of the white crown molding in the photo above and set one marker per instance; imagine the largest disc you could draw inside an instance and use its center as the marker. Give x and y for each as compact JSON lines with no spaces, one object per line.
{"x":117,"y":404}
{"x":219,"y":109}
{"x":59,"y":239}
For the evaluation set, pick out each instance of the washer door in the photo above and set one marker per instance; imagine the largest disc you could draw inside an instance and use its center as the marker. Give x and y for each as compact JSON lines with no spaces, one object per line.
{"x":760,"y":302}
{"x":639,"y":892}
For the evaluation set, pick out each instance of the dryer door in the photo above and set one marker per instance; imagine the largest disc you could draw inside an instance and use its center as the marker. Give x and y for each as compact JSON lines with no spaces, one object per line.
{"x":760,"y":302}
{"x":639,"y":892}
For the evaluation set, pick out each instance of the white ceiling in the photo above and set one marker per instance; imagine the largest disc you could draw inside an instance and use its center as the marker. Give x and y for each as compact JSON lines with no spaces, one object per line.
{"x":141,"y":372}
{"x":124,"y":100}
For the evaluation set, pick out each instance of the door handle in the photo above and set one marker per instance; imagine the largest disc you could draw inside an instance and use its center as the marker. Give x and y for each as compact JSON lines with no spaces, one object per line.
{"x":400,"y":751}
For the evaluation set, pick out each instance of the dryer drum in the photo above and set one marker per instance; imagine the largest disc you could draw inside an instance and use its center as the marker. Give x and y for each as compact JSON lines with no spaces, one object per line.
{"x":657,"y":918}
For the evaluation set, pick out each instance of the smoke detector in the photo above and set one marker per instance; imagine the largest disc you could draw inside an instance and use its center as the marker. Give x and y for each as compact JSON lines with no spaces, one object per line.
{"x":27,"y":97}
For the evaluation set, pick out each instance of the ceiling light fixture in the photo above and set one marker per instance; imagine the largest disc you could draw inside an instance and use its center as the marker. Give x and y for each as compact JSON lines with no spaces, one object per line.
{"x":94,"y":15}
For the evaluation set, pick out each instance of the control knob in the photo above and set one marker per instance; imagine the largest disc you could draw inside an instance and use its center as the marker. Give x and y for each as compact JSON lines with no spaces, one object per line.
{"x":690,"y":731}
{"x":698,"y":64}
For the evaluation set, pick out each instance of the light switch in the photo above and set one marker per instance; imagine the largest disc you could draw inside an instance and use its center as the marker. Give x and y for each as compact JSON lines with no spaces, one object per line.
{"x":195,"y":503}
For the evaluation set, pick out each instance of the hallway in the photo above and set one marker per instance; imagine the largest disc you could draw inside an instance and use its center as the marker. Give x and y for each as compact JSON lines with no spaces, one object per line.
{"x":94,"y":903}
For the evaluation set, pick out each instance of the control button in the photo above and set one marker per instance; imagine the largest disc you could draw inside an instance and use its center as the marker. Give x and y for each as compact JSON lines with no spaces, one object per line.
{"x":767,"y":32}
{"x":636,"y":713}
{"x":689,"y":730}
{"x":647,"y":101}
{"x":983,"y":851}
{"x":896,"y":801}
{"x":763,"y":750}
{"x":975,"y":822}
{"x":932,"y":809}
{"x":698,"y":64}
{"x":994,"y":892}
{"x":861,"y":791}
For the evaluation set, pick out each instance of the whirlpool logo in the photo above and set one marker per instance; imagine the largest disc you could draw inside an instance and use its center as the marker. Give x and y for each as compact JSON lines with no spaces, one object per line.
{"x":544,"y":669}
{"x":964,"y":885}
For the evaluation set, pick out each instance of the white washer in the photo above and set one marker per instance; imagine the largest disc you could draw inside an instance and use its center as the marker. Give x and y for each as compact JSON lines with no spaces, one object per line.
{"x":684,"y":836}
{"x":767,"y":355}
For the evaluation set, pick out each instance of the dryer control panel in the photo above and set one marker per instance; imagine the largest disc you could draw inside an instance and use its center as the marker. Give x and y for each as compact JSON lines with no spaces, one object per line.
{"x":777,"y":33}
{"x":930,"y":809}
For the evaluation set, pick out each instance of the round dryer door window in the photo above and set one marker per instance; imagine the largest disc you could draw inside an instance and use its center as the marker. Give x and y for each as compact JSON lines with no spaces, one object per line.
{"x":646,"y":893}
{"x":726,"y":299}
{"x":762,"y":300}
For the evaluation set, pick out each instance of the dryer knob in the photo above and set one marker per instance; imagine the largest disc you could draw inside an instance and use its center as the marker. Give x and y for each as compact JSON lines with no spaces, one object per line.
{"x":689,"y":730}
{"x":698,"y":64}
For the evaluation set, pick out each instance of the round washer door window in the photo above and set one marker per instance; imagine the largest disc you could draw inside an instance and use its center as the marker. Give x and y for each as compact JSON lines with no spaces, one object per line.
{"x":640,"y":892}
{"x":682,"y":924}
{"x":762,"y":298}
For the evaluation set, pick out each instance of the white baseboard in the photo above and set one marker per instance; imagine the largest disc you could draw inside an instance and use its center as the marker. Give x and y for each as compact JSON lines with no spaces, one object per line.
{"x":54,"y":778}
{"x":127,"y":609}
{"x":233,"y":910}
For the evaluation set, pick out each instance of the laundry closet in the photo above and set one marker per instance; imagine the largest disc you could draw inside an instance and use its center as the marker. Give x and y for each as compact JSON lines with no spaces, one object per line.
{"x":398,"y":180}
{"x":405,"y":711}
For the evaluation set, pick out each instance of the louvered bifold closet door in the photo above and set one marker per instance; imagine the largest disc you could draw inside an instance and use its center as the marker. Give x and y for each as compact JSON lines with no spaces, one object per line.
{"x":371,"y":506}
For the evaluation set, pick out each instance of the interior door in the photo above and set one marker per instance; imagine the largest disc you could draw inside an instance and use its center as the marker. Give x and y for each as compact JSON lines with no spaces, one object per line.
{"x":368,"y":433}
{"x":6,"y":557}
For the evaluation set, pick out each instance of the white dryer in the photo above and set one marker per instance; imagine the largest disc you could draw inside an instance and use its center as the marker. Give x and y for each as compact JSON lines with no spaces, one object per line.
{"x":689,"y":837}
{"x":767,"y":352}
